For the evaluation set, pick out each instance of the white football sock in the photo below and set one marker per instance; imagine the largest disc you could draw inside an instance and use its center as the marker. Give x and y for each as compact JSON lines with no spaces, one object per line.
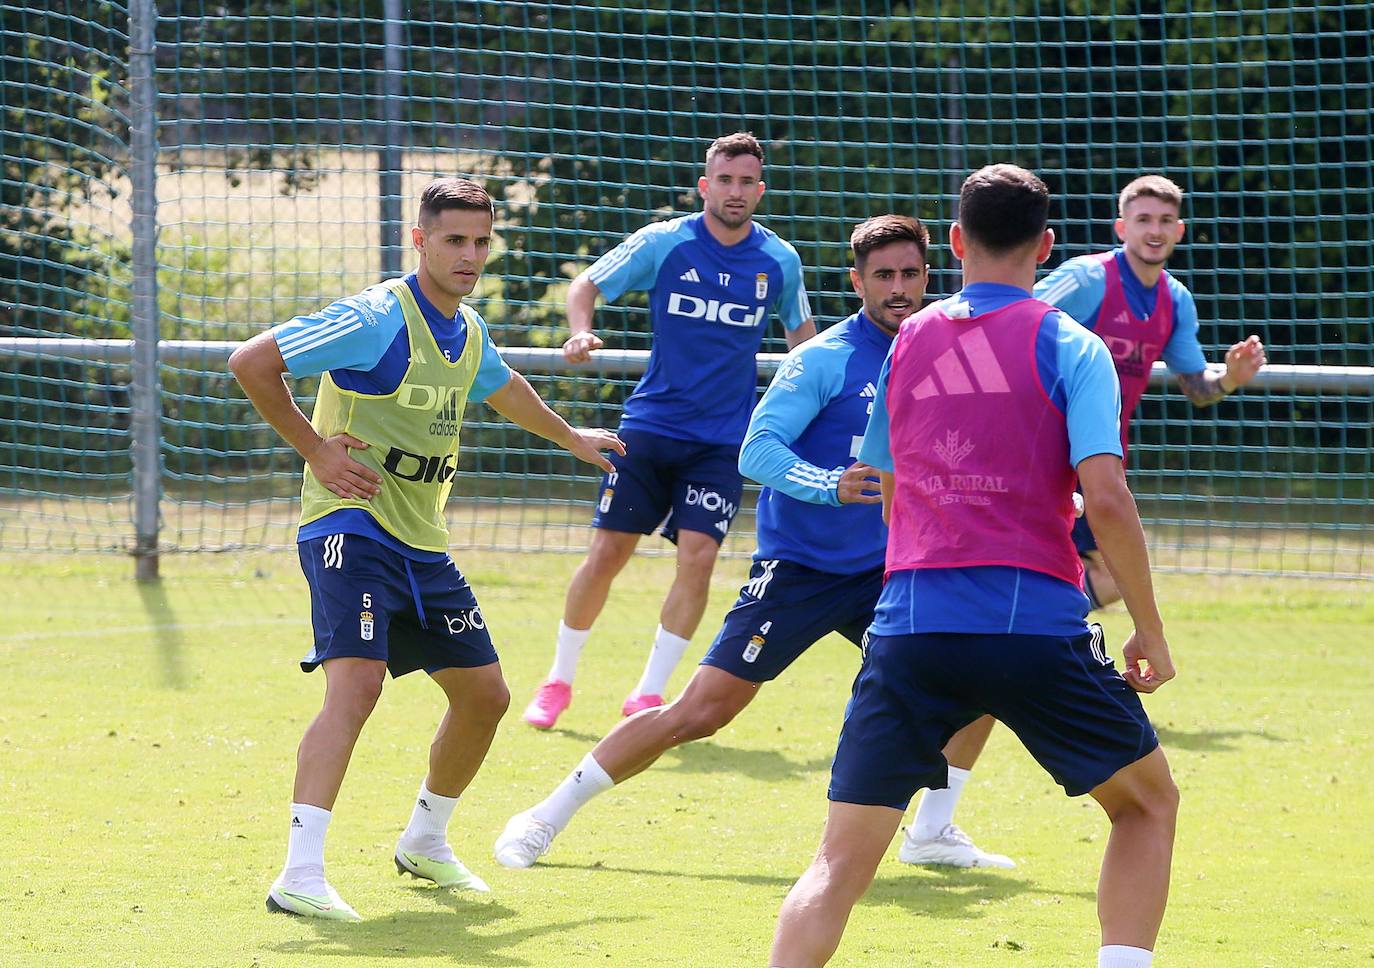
{"x":572,"y":794}
{"x":937,"y":806}
{"x":1123,"y":956}
{"x":305,"y":849}
{"x":667,"y":652}
{"x":427,"y":832}
{"x":567,"y":650}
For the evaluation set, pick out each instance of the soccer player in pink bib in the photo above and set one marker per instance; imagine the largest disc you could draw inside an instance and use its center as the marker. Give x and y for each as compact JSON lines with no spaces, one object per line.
{"x":991,"y":406}
{"x":1143,"y":314}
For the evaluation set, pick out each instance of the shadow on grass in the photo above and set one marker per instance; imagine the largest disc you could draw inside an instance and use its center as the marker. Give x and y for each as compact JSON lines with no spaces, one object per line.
{"x":947,"y":892}
{"x":1209,"y":740}
{"x":935,"y":891}
{"x":712,"y":757}
{"x":166,"y":632}
{"x":433,"y":933}
{"x":709,"y":756}
{"x":757,"y":880}
{"x":590,"y":739}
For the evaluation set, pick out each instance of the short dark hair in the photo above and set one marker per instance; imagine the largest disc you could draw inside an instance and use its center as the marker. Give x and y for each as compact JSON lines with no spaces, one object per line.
{"x":1003,"y":207}
{"x":1150,"y":186}
{"x":443,"y":194}
{"x":734,"y":145}
{"x":884,"y":230}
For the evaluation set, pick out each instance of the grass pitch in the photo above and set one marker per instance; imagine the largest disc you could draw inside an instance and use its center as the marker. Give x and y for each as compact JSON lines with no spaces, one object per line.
{"x":148,"y":736}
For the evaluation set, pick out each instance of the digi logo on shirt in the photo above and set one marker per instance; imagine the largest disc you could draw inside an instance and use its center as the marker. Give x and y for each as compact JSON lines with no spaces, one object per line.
{"x":420,"y":396}
{"x":1131,"y":355}
{"x":714,"y":311}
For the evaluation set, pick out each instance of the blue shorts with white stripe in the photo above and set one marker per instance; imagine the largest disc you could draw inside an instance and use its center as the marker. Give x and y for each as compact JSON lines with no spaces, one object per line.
{"x":786,"y":607}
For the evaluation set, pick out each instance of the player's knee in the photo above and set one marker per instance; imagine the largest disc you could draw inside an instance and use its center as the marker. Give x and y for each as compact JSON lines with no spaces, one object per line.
{"x":1164,"y":801}
{"x":695,"y":562}
{"x":1158,"y":811}
{"x":703,"y":720}
{"x":355,"y":694}
{"x":841,"y":877}
{"x":1104,"y":586}
{"x":605,"y":559}
{"x":491,"y":701}
{"x":1152,"y":799}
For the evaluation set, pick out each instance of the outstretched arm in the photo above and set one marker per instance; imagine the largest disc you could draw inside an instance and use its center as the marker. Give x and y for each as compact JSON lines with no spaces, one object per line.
{"x":518,"y":403}
{"x":1243,"y":361}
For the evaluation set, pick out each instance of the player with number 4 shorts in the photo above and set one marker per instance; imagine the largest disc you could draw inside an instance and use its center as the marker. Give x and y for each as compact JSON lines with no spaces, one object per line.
{"x":819,"y":564}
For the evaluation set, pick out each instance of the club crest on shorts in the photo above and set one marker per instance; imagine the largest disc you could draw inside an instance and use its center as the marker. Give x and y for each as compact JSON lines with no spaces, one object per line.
{"x":761,"y":286}
{"x":755,"y":646}
{"x":366,"y":627}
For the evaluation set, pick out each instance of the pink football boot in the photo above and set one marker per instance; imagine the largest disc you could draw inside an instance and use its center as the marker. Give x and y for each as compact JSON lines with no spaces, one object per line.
{"x":634,"y":704}
{"x":550,"y":699}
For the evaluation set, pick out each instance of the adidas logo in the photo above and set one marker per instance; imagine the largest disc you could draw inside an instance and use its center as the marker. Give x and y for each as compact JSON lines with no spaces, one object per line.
{"x":423,"y":805}
{"x":296,"y":822}
{"x":954,"y":376}
{"x":449,"y":411}
{"x":690,"y":276}
{"x":869,"y":391}
{"x":723,"y":527}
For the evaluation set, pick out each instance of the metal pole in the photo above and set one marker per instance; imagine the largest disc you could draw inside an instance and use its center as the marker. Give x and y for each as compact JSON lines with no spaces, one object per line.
{"x":146,"y":420}
{"x":1280,"y":379}
{"x":954,"y":133}
{"x":393,"y":134}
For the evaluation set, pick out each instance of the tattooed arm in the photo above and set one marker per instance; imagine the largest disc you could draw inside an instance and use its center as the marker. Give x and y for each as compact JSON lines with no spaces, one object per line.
{"x":1243,"y":361}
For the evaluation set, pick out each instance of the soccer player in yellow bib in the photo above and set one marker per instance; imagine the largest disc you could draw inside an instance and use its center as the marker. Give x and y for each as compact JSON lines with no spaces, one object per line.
{"x":398,"y":363}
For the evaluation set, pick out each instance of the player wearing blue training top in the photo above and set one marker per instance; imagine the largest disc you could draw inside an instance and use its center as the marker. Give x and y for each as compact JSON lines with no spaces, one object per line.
{"x":713,"y":280}
{"x":819,"y":564}
{"x":989,"y":405}
{"x":398,"y":364}
{"x":1143,"y":314}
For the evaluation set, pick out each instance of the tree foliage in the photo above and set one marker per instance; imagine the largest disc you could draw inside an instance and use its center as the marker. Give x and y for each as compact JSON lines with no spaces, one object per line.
{"x":589,"y":119}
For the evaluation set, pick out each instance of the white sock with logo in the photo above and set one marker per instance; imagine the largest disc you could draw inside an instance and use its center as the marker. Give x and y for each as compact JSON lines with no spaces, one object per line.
{"x":937,"y":806}
{"x":427,"y":832}
{"x":304,"y":869}
{"x":572,"y":794}
{"x":567,"y":650}
{"x":663,"y":659}
{"x":1123,"y":956}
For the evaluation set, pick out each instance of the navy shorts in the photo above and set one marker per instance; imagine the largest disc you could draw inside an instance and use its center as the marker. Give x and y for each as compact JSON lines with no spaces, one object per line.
{"x":368,"y":601}
{"x":783,"y":609}
{"x":682,"y":484}
{"x":1062,"y":697}
{"x":1083,"y":538}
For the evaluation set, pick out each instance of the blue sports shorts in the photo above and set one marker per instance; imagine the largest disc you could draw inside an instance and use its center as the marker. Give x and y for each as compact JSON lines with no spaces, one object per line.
{"x":783,"y":609}
{"x":1061,"y":696}
{"x":1083,"y":538}
{"x":368,"y":601}
{"x":682,"y":484}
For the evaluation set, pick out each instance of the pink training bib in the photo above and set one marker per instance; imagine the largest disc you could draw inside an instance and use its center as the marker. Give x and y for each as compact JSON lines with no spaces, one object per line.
{"x":981,"y":454}
{"x":1135,"y":343}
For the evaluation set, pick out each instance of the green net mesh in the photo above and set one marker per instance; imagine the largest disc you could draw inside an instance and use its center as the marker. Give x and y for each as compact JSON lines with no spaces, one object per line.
{"x":295,"y":135}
